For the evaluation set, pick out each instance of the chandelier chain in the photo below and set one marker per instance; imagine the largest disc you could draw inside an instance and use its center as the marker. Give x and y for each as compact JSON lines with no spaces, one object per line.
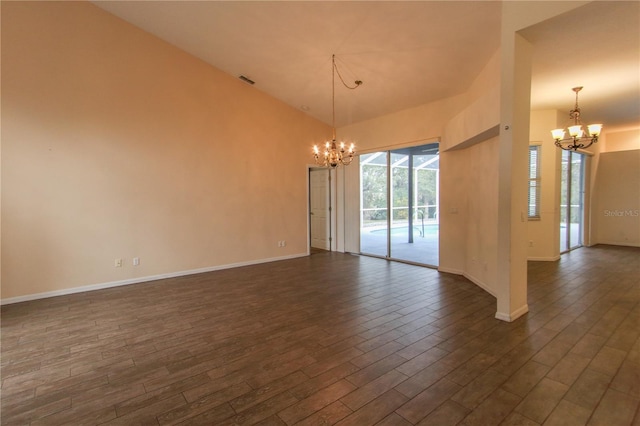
{"x":332,"y":155}
{"x":575,"y":112}
{"x":333,"y":90}
{"x":357,"y":82}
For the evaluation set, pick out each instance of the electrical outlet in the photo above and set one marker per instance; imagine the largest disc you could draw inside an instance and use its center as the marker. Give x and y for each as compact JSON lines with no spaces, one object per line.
{"x":136,"y":261}
{"x":530,"y":243}
{"x":284,"y":243}
{"x":118,"y":263}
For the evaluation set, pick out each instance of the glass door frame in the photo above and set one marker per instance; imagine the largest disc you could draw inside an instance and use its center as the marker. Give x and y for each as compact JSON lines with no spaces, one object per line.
{"x":413,"y":156}
{"x":568,"y":191}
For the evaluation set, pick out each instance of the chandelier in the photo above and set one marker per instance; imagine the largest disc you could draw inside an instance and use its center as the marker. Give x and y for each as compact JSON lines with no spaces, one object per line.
{"x":577,"y":137}
{"x":335,"y":154}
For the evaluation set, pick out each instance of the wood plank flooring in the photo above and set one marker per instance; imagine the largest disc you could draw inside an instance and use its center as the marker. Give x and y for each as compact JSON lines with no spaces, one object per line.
{"x":332,"y":339}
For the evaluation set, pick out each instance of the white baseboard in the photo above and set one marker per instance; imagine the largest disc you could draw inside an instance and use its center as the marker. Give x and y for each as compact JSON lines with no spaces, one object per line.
{"x":450,"y":271}
{"x":471,"y":278}
{"x":617,"y":243}
{"x":499,"y":315}
{"x":544,"y":259}
{"x":514,"y":315}
{"x":480,"y":284}
{"x":138,"y":280}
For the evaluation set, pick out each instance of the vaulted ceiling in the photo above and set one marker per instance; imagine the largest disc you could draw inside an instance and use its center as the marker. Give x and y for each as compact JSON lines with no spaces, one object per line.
{"x":407,"y":53}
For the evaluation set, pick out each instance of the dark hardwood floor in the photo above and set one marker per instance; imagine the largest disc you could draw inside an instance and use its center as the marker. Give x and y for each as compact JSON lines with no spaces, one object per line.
{"x":332,"y":339}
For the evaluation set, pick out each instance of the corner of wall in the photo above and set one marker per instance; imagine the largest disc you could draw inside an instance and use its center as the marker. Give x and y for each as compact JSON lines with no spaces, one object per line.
{"x":512,"y":316}
{"x":479,"y":121}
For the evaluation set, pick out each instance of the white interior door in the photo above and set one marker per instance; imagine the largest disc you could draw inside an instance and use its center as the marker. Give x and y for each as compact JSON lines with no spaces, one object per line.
{"x":319,"y":208}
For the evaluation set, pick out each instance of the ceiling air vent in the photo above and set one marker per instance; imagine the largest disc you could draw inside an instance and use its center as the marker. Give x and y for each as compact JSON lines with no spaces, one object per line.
{"x":246,"y":79}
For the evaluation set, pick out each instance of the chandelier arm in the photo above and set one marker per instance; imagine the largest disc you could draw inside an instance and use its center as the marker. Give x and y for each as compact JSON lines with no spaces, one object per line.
{"x":574,"y":144}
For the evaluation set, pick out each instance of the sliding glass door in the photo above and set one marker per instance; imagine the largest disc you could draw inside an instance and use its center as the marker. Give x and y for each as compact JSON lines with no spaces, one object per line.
{"x":399,"y":204}
{"x":373,"y":203}
{"x":571,"y":200}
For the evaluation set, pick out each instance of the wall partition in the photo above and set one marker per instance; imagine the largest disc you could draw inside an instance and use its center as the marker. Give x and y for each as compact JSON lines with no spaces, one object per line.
{"x":399,"y":204}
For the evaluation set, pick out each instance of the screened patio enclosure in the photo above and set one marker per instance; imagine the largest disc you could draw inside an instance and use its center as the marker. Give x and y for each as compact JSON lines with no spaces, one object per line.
{"x":399,"y":204}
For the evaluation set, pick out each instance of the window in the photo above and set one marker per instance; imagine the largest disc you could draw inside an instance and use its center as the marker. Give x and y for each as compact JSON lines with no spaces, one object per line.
{"x":534,"y":182}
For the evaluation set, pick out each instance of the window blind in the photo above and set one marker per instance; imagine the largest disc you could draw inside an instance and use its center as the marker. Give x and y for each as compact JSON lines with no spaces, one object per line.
{"x":534,"y":181}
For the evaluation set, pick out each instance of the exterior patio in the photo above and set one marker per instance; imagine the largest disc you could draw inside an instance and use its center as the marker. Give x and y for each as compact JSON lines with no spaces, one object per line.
{"x":423,"y":250}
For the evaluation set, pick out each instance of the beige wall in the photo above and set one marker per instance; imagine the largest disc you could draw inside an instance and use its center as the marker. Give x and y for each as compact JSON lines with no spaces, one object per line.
{"x":621,"y":140}
{"x":469,"y":222}
{"x":118,"y":145}
{"x":412,"y":126}
{"x":615,"y":212}
{"x":468,"y":183}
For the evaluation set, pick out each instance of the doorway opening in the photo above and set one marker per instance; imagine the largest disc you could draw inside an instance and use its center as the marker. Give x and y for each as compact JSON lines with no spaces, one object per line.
{"x":319,"y":209}
{"x":399,"y":192}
